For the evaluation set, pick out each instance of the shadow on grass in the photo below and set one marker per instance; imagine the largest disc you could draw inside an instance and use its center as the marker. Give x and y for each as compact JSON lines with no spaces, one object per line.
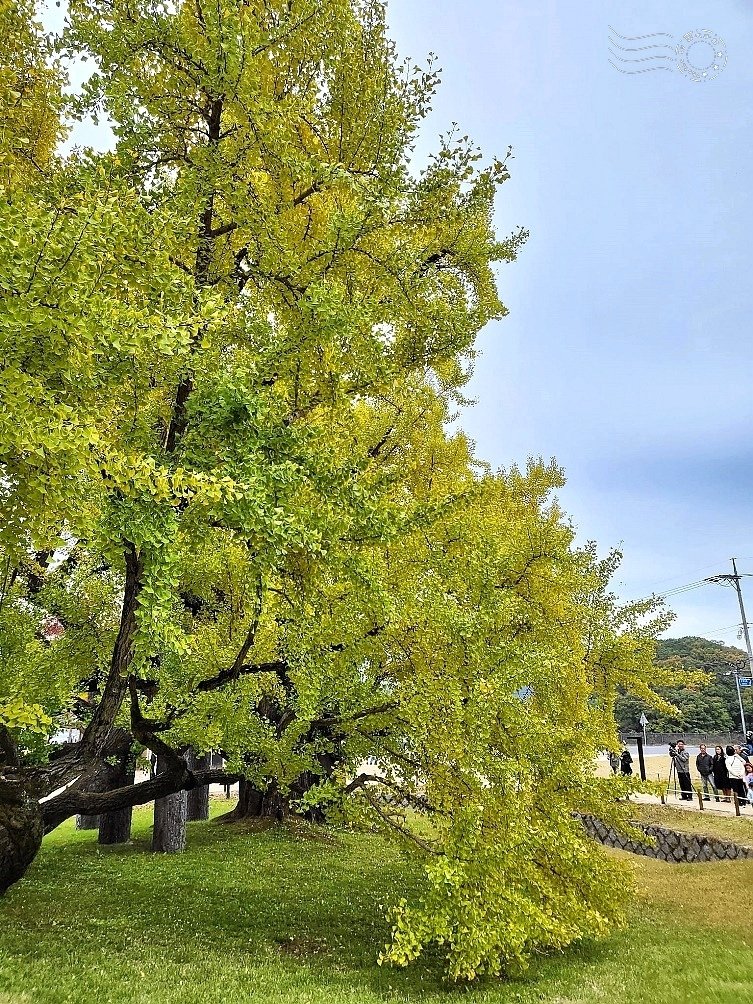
{"x":285,"y":914}
{"x":287,"y":896}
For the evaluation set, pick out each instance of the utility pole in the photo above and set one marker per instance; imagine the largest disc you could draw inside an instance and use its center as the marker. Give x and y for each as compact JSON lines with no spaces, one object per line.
{"x":734,"y":579}
{"x":738,"y":587}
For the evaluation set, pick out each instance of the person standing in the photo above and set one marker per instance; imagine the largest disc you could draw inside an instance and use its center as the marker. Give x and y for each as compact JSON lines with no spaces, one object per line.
{"x":736,"y":771}
{"x":681,"y":759}
{"x":721,"y":777}
{"x":614,"y":761}
{"x":626,"y":762}
{"x":748,"y":779}
{"x":704,"y":764}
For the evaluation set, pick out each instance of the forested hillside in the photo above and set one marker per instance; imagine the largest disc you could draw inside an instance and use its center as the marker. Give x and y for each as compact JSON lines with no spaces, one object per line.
{"x":710,"y":707}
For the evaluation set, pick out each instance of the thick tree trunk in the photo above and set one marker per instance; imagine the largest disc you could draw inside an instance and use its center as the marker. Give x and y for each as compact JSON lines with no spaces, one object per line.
{"x":87,"y":822}
{"x":107,"y":777}
{"x":99,"y":729}
{"x":115,"y":827}
{"x":169,"y":834}
{"x":303,"y":784}
{"x":21,"y":832}
{"x":8,"y":748}
{"x":253,"y":803}
{"x":198,"y":798}
{"x":271,"y":803}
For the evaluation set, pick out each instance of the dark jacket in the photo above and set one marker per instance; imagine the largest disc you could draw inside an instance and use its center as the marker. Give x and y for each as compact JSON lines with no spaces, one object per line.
{"x":704,"y":764}
{"x":625,"y":761}
{"x":721,"y":776}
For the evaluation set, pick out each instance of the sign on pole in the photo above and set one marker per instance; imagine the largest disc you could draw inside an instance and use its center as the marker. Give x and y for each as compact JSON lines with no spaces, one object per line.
{"x":746,"y":681}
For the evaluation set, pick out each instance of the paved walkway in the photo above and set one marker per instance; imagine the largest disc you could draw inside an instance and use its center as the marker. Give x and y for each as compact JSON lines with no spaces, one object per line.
{"x":720,"y":808}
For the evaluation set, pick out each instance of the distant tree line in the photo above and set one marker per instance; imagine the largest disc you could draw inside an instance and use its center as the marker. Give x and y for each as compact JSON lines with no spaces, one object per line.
{"x":709,"y":707}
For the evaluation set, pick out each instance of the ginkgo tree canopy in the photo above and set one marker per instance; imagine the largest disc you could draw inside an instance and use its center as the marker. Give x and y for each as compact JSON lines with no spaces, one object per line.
{"x":232,"y":347}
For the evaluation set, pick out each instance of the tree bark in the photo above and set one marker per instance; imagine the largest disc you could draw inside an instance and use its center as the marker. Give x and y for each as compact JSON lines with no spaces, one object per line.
{"x":170,"y":812}
{"x":98,"y":730}
{"x":87,"y":822}
{"x":8,"y":749}
{"x":115,"y":827}
{"x":21,"y":832}
{"x":250,"y":803}
{"x":271,"y":803}
{"x":198,"y":798}
{"x":255,"y":803}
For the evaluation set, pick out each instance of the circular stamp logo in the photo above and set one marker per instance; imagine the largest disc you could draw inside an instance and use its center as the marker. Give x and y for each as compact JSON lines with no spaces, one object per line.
{"x":701,"y":55}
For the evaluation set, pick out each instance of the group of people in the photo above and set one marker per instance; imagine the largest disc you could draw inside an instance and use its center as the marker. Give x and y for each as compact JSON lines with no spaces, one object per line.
{"x":621,"y":763}
{"x":729,"y":770}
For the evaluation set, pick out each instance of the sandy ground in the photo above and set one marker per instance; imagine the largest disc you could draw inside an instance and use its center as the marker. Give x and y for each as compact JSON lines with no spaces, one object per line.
{"x":657,"y":766}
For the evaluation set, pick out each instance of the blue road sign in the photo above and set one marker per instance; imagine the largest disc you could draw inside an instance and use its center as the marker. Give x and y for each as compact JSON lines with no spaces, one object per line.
{"x":746,"y":681}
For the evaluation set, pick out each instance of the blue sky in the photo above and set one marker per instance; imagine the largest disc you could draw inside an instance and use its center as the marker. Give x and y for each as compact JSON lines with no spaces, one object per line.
{"x":626,"y":354}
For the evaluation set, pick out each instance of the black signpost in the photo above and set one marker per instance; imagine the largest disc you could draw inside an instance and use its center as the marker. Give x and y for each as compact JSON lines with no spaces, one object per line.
{"x":641,"y":762}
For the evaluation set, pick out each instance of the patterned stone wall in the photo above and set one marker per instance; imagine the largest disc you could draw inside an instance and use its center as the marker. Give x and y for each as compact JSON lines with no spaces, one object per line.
{"x":668,"y":845}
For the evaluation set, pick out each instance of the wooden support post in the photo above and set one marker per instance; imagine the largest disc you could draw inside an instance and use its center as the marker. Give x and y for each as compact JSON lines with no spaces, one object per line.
{"x":737,"y":803}
{"x":641,"y":761}
{"x":700,"y":799}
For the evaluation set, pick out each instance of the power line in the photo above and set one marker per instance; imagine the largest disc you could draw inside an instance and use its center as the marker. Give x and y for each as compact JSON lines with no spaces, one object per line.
{"x":683,"y":589}
{"x":678,"y":590}
{"x":721,"y":630}
{"x":674,"y":592}
{"x":694,"y":571}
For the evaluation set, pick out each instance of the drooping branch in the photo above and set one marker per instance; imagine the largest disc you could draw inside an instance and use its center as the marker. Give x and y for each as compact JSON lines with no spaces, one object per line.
{"x":420,"y":801}
{"x":145,"y":731}
{"x":359,"y":781}
{"x":397,"y":755}
{"x":409,"y":834}
{"x":71,"y":803}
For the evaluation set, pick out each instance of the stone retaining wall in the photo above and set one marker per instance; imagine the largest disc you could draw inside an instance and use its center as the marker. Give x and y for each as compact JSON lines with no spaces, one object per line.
{"x":668,"y":845}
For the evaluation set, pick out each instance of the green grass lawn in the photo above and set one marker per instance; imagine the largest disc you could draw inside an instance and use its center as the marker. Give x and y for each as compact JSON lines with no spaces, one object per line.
{"x":280,"y":916}
{"x":736,"y":828}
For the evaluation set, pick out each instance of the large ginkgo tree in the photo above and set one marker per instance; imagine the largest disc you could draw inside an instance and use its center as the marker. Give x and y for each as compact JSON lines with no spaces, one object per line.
{"x":231,"y":506}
